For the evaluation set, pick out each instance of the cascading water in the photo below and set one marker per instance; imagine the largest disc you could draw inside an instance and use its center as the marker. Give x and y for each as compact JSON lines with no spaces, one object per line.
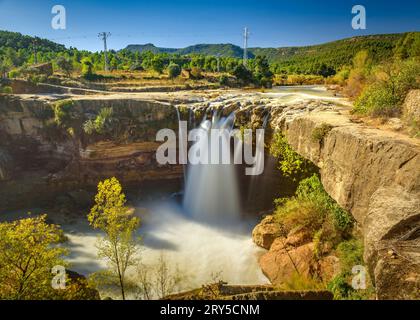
{"x":211,"y":191}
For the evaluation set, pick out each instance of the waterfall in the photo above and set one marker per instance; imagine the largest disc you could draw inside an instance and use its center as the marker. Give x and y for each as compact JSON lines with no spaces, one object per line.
{"x":211,"y":191}
{"x":182,"y":145}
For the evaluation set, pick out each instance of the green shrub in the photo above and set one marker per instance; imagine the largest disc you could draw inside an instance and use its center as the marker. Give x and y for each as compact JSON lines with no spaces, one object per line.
{"x":291,"y":163}
{"x":87,"y":68}
{"x":350,"y":254}
{"x":102,"y":124}
{"x":386,"y":92}
{"x":196,"y":73}
{"x":63,"y":113}
{"x":313,"y":210}
{"x":174,"y":70}
{"x":243,"y":75}
{"x":6,"y":90}
{"x":223,"y":80}
{"x":319,"y":133}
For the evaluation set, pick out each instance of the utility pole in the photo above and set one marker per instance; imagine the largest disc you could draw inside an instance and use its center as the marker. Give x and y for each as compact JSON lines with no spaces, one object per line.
{"x":218,"y":62}
{"x":34,"y":44}
{"x":246,"y":36}
{"x":104,"y":36}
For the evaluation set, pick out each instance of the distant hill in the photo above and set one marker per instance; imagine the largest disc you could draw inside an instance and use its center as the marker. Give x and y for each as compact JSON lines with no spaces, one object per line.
{"x":334,"y":54}
{"x":149,"y":47}
{"x":224,"y":49}
{"x":18,"y":41}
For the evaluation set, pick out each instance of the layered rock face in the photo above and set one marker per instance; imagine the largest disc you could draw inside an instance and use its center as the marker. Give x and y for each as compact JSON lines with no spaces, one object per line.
{"x":374,"y":174}
{"x":39,"y":159}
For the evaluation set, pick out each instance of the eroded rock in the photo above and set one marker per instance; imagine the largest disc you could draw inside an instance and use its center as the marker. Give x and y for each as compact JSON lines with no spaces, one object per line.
{"x":266,"y":232}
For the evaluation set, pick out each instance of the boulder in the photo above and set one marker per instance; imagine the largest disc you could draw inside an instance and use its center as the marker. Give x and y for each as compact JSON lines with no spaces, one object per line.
{"x":411,"y":107}
{"x":266,"y":232}
{"x":280,"y":264}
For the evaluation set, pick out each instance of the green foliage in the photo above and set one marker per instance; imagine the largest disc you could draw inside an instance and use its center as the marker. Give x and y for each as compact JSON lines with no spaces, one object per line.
{"x":102,"y":124}
{"x":319,"y":133}
{"x":326,"y":59}
{"x":157,"y":64}
{"x":119,"y":245}
{"x":196,"y":73}
{"x":223,"y":80}
{"x":174,"y":70}
{"x":262,"y":74}
{"x":408,"y":46}
{"x":313,"y":210}
{"x":299,"y":282}
{"x":243,"y":75}
{"x":64,"y":113}
{"x":291,"y":163}
{"x":65,"y":65}
{"x":87,"y":68}
{"x":386,"y":92}
{"x":28,"y":252}
{"x":350,"y":254}
{"x":6,"y":90}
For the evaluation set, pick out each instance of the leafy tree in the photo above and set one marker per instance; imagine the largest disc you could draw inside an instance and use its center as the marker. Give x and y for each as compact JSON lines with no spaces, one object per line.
{"x":243,"y":75}
{"x":174,"y":70}
{"x":28,"y":252}
{"x":157,"y":64}
{"x":119,"y":245}
{"x":65,"y":64}
{"x":262,"y":73}
{"x":6,"y":64}
{"x":385,"y":93}
{"x":87,"y":68}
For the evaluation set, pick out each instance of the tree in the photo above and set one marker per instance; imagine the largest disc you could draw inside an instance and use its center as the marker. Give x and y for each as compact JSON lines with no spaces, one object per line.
{"x":174,"y":70}
{"x":66,"y":65}
{"x":262,"y":74}
{"x":27,"y":255}
{"x":242,"y":74}
{"x":87,"y":67}
{"x":157,"y":63}
{"x":119,"y":245}
{"x":6,"y":64}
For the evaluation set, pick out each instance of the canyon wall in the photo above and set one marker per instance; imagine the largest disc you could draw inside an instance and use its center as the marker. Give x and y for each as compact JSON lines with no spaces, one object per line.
{"x":374,"y":174}
{"x":39,"y":158}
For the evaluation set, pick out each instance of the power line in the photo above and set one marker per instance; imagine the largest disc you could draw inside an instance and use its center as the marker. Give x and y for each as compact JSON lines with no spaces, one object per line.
{"x":104,"y":36}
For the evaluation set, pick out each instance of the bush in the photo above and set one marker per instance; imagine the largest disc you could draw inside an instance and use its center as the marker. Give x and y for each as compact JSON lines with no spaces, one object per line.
{"x":196,"y":73}
{"x":243,"y":75}
{"x":63,"y":113}
{"x":319,"y":133}
{"x":350,"y":254}
{"x":87,"y":68}
{"x":223,"y":80}
{"x":174,"y":70}
{"x":291,"y":163}
{"x":66,"y":65}
{"x":388,"y":89}
{"x":314,"y":211}
{"x":6,"y":90}
{"x":102,"y":124}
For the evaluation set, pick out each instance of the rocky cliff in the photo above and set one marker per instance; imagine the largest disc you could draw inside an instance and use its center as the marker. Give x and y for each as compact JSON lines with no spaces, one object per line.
{"x":375,"y":175}
{"x":40,"y":157}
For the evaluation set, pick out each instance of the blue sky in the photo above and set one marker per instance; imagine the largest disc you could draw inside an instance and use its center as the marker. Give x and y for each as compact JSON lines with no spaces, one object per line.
{"x":179,"y":23}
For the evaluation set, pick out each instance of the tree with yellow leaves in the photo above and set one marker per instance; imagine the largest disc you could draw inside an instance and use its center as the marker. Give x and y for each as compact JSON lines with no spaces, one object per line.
{"x":120,"y":243}
{"x":28,"y":252}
